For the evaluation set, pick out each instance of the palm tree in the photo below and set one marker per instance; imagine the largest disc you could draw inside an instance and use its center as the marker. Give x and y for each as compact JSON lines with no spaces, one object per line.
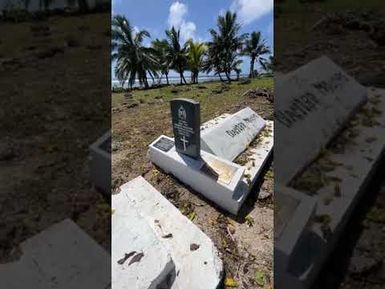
{"x":160,"y":47}
{"x":255,"y":47}
{"x":226,"y":44}
{"x":235,"y":66}
{"x":195,"y":55}
{"x":214,"y":61}
{"x":176,"y":53}
{"x":267,"y":64}
{"x":133,"y":60}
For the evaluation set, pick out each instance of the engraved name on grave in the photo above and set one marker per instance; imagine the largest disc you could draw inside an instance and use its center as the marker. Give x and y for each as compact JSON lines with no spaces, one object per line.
{"x":315,"y":102}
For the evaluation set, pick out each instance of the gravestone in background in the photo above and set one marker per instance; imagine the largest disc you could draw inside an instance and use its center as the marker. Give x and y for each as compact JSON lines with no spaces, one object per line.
{"x":185,"y":115}
{"x":315,"y":103}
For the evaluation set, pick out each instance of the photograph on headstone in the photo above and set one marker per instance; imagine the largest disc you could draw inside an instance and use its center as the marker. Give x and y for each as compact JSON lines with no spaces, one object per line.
{"x":55,"y":148}
{"x":192,"y":145}
{"x":329,"y":148}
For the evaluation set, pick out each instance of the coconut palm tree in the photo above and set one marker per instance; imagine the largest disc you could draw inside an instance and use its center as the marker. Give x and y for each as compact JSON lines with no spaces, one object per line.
{"x":226,"y":43}
{"x":176,"y":53}
{"x":195,"y":55}
{"x":255,"y":47}
{"x":160,"y":47}
{"x":267,"y":64}
{"x":133,"y":60}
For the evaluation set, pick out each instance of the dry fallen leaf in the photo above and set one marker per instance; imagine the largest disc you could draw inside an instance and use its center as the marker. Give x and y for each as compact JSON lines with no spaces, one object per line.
{"x":126,"y":256}
{"x":136,"y":258}
{"x":194,"y":247}
{"x":260,"y":278}
{"x":230,"y":282}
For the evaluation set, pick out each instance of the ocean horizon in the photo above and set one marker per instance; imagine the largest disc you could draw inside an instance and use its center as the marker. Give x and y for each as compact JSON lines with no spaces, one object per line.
{"x":174,"y":80}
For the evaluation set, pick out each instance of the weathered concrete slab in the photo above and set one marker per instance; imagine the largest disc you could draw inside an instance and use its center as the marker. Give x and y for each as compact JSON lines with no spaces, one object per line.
{"x":197,"y":261}
{"x":294,"y":212}
{"x":60,"y":257}
{"x":132,"y":236}
{"x":259,"y":154}
{"x":337,"y":199}
{"x":215,"y":178}
{"x":229,"y":136}
{"x":256,"y":156}
{"x":100,"y":163}
{"x":316,"y":101}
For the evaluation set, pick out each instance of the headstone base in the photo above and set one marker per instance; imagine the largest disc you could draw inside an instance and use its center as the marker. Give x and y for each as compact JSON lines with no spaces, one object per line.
{"x":217,"y":179}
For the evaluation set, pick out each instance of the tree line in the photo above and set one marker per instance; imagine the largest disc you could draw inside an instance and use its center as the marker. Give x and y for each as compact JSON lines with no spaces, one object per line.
{"x":220,"y":55}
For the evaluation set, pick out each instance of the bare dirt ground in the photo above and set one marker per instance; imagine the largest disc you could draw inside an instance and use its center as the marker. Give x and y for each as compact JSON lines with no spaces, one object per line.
{"x":54,"y":102}
{"x":246,"y":241}
{"x":354,"y":38}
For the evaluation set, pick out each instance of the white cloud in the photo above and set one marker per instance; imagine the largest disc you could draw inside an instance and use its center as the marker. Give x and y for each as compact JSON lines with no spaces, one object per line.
{"x":250,"y":10}
{"x":135,"y":29}
{"x":177,"y":12}
{"x":176,"y":18}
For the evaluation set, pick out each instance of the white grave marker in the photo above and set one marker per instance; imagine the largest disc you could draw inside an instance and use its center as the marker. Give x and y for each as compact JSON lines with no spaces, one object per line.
{"x":315,"y":102}
{"x":196,"y":266}
{"x":231,"y":135}
{"x":61,"y":257}
{"x":133,"y":236}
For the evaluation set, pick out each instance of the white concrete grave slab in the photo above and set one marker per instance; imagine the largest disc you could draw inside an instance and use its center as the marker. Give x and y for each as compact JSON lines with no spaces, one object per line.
{"x":337,"y":199}
{"x":60,"y":257}
{"x":197,"y":261}
{"x":316,"y":101}
{"x":221,"y":189}
{"x":100,"y":163}
{"x":228,"y":136}
{"x":359,"y":161}
{"x":132,"y":236}
{"x":292,"y":220}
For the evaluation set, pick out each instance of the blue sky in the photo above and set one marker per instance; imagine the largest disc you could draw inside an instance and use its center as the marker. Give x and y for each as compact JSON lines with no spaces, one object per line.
{"x":195,"y":17}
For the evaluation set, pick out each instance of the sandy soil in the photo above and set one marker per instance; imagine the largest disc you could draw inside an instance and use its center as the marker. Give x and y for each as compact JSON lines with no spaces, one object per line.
{"x":55,"y":101}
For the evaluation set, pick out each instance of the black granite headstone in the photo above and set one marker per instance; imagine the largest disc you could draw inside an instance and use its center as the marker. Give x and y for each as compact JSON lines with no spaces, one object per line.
{"x":186,"y":126}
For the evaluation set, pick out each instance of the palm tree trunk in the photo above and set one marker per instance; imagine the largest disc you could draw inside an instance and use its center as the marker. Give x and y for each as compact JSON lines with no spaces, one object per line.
{"x":251,"y":74}
{"x":220,"y":77}
{"x":152,"y":77}
{"x":227,"y":76}
{"x":181,"y":77}
{"x":167,"y":78}
{"x":145,"y":81}
{"x":196,"y":77}
{"x":184,"y":79}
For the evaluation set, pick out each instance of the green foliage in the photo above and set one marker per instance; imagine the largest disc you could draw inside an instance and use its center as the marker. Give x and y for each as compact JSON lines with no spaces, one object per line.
{"x":132,"y":58}
{"x":176,"y":53}
{"x":195,"y":55}
{"x":225,"y":46}
{"x":255,"y":47}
